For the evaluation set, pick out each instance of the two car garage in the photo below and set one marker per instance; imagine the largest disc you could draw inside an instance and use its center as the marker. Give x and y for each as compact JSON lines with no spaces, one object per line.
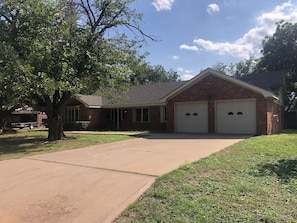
{"x":231,"y":116}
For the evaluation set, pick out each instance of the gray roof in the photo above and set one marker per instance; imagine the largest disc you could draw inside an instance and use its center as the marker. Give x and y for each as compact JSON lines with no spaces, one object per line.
{"x":140,"y":95}
{"x":270,"y":81}
{"x":90,"y":101}
{"x":153,"y":94}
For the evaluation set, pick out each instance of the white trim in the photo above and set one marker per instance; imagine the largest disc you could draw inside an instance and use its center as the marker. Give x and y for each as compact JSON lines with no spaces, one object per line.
{"x":134,"y":105}
{"x":93,"y":106}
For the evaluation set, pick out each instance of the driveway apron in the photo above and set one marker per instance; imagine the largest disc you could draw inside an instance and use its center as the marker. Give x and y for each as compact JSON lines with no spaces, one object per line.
{"x":96,"y":183}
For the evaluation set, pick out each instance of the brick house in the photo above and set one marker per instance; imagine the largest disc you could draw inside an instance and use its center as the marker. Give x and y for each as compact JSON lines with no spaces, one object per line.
{"x":211,"y":102}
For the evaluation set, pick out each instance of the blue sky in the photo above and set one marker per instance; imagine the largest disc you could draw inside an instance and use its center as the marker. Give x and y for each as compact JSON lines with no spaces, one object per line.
{"x":196,"y":34}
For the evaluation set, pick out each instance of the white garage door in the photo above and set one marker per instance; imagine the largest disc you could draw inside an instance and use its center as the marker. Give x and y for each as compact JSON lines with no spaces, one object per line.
{"x":191,"y":117}
{"x":237,"y":117}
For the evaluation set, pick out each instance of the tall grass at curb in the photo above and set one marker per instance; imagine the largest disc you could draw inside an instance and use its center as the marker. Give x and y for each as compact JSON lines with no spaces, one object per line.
{"x":254,"y":180}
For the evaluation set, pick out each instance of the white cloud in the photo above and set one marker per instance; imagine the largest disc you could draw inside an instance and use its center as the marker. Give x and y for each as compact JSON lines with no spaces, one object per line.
{"x":163,"y":5}
{"x":234,"y":49}
{"x":175,"y":57}
{"x":185,"y":74}
{"x":250,"y":44}
{"x":212,"y":8}
{"x":187,"y":47}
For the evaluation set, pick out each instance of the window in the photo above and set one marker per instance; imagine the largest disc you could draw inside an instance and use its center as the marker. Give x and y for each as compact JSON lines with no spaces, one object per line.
{"x":239,"y":113}
{"x":230,"y":113}
{"x":117,"y":113}
{"x":72,"y":114}
{"x":141,"y":115}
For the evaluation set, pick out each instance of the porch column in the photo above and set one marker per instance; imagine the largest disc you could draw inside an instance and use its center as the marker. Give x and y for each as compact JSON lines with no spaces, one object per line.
{"x":118,"y":119}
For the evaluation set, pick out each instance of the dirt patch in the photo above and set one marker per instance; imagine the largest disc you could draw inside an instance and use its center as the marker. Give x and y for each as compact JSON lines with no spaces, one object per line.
{"x":51,"y":211}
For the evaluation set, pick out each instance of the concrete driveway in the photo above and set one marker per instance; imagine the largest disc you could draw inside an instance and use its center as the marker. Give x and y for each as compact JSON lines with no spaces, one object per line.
{"x":95,"y":184}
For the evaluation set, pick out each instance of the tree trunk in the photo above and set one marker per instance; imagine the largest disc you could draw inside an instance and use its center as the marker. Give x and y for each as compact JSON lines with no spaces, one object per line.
{"x":55,"y":127}
{"x":4,"y":118}
{"x":54,"y":110}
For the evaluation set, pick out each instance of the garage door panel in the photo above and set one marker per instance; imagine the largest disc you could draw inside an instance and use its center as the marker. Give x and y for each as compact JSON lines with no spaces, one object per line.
{"x":191,"y":117}
{"x":236,"y":117}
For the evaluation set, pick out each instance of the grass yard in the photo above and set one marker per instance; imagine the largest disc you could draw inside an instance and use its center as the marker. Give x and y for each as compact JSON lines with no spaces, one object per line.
{"x":32,"y":142}
{"x":254,"y":180}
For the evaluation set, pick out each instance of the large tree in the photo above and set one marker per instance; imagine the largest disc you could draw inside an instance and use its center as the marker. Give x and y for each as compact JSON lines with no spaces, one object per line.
{"x":144,"y":73}
{"x":238,"y":69}
{"x":280,"y":52}
{"x":11,"y":88}
{"x":64,"y":47}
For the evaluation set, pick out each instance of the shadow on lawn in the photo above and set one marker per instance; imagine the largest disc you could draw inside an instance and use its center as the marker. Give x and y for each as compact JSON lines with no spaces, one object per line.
{"x":285,"y":170}
{"x":19,"y":144}
{"x":23,"y":144}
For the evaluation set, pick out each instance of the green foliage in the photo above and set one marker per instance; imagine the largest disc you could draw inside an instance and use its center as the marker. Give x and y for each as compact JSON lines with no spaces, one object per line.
{"x":60,"y":48}
{"x":237,"y":69}
{"x":144,"y":73}
{"x":280,"y":52}
{"x":254,"y":180}
{"x":78,"y":125}
{"x":69,"y":45}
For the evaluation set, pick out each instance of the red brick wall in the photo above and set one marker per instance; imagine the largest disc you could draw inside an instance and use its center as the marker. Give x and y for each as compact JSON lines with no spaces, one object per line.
{"x":212,"y":88}
{"x":274,"y":118}
{"x":84,"y":113}
{"x":96,"y":118}
{"x":128,"y":123}
{"x":40,"y":117}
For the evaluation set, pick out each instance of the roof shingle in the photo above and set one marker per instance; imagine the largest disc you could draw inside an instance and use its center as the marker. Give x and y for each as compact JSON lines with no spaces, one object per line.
{"x":150,"y":94}
{"x":90,"y":101}
{"x":270,"y":81}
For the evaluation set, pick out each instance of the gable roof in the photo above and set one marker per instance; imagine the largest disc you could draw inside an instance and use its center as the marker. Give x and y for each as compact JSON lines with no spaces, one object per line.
{"x":144,"y":95}
{"x":90,"y":101}
{"x":209,"y":71}
{"x":267,"y":84}
{"x":271,"y":81}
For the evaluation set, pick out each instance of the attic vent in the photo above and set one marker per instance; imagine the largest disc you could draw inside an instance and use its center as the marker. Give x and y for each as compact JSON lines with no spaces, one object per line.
{"x":230,"y":113}
{"x":239,"y":113}
{"x":188,"y":114}
{"x":195,"y":114}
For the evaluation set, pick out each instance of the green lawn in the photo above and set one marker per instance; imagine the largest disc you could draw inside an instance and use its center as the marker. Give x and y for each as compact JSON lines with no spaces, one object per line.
{"x":32,"y":142}
{"x":254,"y":180}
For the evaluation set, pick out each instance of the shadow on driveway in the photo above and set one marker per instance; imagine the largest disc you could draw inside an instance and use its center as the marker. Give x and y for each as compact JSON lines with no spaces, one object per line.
{"x":191,"y":136}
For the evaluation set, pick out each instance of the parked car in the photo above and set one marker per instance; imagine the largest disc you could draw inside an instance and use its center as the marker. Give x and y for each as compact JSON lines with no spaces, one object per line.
{"x":21,"y":125}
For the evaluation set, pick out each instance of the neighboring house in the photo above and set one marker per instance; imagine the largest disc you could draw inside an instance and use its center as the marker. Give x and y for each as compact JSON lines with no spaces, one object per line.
{"x":211,"y":102}
{"x":27,"y":117}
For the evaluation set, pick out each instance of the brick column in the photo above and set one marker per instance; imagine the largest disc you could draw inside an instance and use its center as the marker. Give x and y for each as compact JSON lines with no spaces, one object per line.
{"x":211,"y":116}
